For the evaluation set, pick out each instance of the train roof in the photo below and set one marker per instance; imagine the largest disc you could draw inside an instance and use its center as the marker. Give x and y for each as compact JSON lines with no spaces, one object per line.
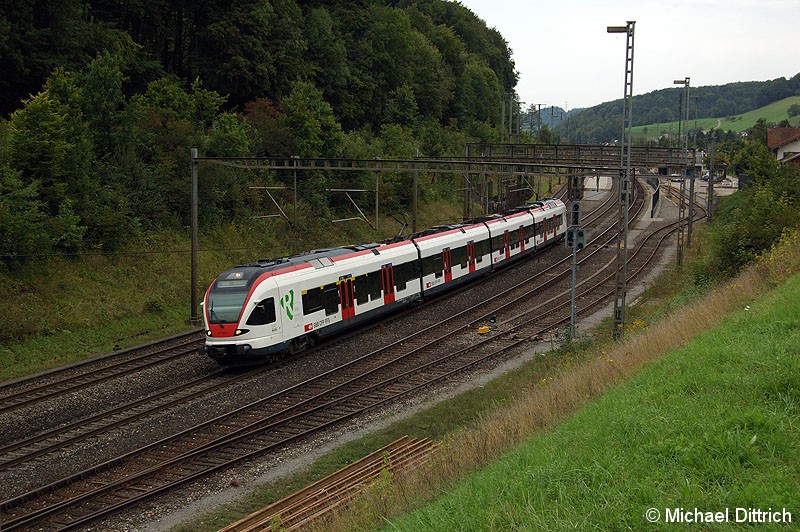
{"x":325,"y":255}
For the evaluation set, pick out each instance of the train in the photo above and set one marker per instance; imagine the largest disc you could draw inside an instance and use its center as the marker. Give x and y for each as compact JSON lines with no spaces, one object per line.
{"x":260,"y":311}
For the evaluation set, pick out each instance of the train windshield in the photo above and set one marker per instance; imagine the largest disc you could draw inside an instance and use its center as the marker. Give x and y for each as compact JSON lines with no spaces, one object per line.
{"x":226,"y":299}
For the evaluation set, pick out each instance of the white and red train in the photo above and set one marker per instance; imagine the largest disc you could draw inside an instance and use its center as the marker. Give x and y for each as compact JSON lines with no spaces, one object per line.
{"x":256,"y":311}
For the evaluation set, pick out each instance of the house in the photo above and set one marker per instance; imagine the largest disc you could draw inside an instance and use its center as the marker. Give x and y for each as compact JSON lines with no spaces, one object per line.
{"x":784,"y":142}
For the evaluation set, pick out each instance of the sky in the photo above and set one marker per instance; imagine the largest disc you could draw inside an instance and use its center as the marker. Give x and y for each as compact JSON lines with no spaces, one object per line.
{"x":565,"y":57}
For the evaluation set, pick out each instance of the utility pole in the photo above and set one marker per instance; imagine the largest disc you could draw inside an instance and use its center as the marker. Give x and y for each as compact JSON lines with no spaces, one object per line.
{"x":503,"y":119}
{"x":711,"y":163}
{"x":684,"y":138}
{"x":416,"y":193}
{"x":512,"y":109}
{"x":539,"y":121}
{"x":575,"y":240}
{"x":625,"y":180}
{"x":194,"y":319}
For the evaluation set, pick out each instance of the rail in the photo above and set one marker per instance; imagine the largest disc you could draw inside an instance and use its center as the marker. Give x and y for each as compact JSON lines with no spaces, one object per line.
{"x":317,"y":500}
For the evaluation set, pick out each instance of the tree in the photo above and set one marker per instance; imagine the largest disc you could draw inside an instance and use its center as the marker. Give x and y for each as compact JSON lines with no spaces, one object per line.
{"x":310,"y":118}
{"x":36,"y":38}
{"x":168,"y":121}
{"x":755,"y":160}
{"x":759,"y":131}
{"x":326,"y":56}
{"x":793,"y":110}
{"x":233,"y":49}
{"x":23,"y":232}
{"x":401,"y":106}
{"x":227,"y":137}
{"x":49,"y":143}
{"x":269,"y":134}
{"x":432,"y":80}
{"x":317,"y":134}
{"x":102,"y":101}
{"x":477,"y":92}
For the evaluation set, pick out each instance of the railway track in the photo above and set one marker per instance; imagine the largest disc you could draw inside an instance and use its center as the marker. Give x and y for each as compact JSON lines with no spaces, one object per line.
{"x":13,"y":505}
{"x":271,"y":423}
{"x":60,"y":438}
{"x":314,"y":502}
{"x":54,"y":384}
{"x":57,"y":383}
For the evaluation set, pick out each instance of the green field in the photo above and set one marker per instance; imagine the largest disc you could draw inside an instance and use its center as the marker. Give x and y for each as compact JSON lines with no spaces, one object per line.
{"x":772,"y":113}
{"x":711,"y":426}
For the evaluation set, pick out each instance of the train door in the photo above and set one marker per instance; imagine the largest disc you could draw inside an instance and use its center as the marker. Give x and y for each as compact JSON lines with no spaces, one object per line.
{"x":471,"y":255}
{"x":521,"y":238}
{"x":544,"y":229}
{"x":447,"y":262}
{"x":346,"y":298}
{"x":554,"y":222}
{"x":387,"y":283}
{"x":507,"y":244}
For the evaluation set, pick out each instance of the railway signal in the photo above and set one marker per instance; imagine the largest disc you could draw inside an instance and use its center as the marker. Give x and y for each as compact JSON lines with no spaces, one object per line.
{"x":575,"y":188}
{"x":575,"y":238}
{"x":575,"y":214}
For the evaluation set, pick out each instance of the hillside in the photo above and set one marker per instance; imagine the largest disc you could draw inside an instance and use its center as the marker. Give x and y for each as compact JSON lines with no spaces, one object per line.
{"x":105,"y":101}
{"x":773,"y":113}
{"x":602,"y":123}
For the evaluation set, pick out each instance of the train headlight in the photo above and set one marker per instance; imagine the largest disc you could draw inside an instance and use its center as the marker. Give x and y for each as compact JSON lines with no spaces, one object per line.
{"x":208,"y":333}
{"x":241,"y":331}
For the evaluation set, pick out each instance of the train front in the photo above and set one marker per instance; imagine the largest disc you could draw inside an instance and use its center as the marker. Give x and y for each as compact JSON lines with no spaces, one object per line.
{"x":240,"y":318}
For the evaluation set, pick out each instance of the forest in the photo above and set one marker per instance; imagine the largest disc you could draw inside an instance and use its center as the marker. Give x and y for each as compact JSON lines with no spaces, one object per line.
{"x":101,"y":103}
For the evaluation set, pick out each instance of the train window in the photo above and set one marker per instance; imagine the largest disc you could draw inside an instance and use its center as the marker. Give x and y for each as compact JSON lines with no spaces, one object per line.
{"x":433,"y":264}
{"x":403,"y":273}
{"x":362,"y":289}
{"x":497,"y":243}
{"x":330,"y":299}
{"x":459,"y":256}
{"x":528,"y":233}
{"x":373,"y":285}
{"x":481,"y":249}
{"x":312,"y":300}
{"x":263,"y":314}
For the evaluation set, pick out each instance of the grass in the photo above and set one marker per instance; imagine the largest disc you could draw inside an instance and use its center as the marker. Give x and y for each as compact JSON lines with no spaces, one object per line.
{"x":712,"y":425}
{"x":772,"y":113}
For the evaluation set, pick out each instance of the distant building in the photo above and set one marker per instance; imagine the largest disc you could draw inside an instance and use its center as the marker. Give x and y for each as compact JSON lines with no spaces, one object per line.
{"x":784,"y":142}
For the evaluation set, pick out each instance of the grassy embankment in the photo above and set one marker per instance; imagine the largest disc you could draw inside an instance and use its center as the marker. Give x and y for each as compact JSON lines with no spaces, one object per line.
{"x":774,"y":113}
{"x":713,"y":425}
{"x":700,"y":410}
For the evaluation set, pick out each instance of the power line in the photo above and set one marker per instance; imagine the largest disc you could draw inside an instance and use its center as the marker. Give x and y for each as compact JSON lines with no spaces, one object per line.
{"x":119,"y":253}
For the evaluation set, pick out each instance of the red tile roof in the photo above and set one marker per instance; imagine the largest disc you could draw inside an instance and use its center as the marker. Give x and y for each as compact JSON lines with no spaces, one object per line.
{"x":779,"y":136}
